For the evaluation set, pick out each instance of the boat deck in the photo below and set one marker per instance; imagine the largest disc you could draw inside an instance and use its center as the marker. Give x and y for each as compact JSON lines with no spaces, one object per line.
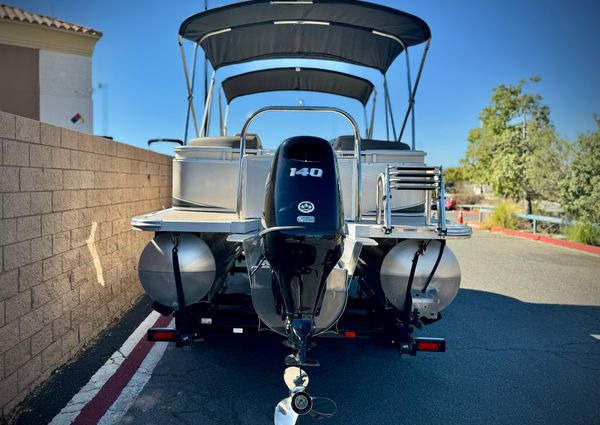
{"x":178,"y":220}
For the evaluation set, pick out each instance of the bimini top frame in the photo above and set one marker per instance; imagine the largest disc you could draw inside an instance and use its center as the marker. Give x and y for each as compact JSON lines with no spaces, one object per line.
{"x":297,"y":79}
{"x":356,"y":32}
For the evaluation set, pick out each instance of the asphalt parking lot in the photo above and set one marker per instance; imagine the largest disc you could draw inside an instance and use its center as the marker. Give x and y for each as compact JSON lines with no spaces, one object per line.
{"x":523,"y":348}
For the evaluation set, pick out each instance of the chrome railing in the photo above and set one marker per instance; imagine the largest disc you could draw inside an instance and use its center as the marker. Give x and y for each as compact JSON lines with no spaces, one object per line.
{"x":321,"y":109}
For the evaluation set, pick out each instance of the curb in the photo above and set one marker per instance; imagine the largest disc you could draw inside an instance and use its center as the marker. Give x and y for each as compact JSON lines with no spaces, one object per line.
{"x":590,"y":249}
{"x":93,"y":401}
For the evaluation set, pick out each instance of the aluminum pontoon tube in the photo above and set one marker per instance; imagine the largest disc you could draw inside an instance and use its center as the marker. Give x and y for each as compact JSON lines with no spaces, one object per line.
{"x":357,"y":146}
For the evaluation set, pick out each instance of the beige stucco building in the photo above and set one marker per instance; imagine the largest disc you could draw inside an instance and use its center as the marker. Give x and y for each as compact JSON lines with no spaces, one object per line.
{"x":46,"y":68}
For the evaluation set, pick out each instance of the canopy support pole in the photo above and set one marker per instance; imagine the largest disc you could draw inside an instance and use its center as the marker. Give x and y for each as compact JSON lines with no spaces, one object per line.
{"x":226,"y":118}
{"x":412,"y":96}
{"x":220,"y":114}
{"x":389,"y":104}
{"x":385,"y":105}
{"x":190,"y":89}
{"x":370,"y":135}
{"x":409,"y":99}
{"x":366,"y":121}
{"x":191,"y":95}
{"x":205,"y":61}
{"x":207,"y":106}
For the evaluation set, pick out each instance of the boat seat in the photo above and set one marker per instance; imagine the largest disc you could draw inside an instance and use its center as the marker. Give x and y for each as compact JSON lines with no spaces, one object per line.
{"x":346,"y":143}
{"x":252,"y":141}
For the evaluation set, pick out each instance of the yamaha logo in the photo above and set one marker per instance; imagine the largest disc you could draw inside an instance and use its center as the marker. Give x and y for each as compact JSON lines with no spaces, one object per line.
{"x":306,"y":207}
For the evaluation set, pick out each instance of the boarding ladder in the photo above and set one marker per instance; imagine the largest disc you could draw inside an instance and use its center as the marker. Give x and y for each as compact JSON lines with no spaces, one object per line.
{"x":412,"y":177}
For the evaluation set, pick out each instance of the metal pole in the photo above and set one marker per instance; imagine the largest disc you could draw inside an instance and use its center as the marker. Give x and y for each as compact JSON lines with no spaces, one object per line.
{"x":205,"y":63}
{"x":414,"y":92}
{"x":385,"y":104}
{"x":226,"y":118}
{"x":207,"y":106}
{"x":372,"y":115}
{"x":389,"y":103}
{"x":366,"y":121}
{"x":191,"y":96}
{"x":188,"y":85}
{"x":441,"y":205}
{"x":220,"y":114}
{"x":409,"y":81}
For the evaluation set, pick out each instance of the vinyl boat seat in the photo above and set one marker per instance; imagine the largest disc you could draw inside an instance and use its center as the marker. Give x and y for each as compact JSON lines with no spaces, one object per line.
{"x":346,"y":143}
{"x":252,"y":141}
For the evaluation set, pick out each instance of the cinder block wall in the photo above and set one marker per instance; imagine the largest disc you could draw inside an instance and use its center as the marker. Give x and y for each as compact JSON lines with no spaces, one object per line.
{"x":68,"y":257}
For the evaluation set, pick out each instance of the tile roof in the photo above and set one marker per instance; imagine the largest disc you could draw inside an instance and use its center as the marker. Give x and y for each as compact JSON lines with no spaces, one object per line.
{"x":19,"y":15}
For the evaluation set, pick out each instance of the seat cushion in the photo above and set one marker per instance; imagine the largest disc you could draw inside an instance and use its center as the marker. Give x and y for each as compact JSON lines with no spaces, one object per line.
{"x":252,"y":142}
{"x":346,"y":143}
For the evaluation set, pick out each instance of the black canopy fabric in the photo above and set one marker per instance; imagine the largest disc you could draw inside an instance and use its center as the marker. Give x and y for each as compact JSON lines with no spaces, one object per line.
{"x":305,"y":79}
{"x":349,"y":31}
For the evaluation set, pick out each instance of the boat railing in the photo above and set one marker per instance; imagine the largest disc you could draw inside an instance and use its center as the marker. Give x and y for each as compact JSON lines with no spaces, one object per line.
{"x":313,"y":109}
{"x":401,"y":178}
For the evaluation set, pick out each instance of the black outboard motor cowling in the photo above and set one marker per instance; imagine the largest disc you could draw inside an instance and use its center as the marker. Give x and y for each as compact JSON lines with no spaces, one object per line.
{"x":303,"y":218}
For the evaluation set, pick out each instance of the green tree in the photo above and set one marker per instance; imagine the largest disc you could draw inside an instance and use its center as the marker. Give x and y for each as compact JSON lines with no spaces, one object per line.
{"x":580,"y":188}
{"x":516,"y":150}
{"x":453,"y":175}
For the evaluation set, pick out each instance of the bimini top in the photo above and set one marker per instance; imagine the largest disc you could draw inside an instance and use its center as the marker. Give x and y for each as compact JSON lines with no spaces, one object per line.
{"x":305,"y":79}
{"x":349,"y":31}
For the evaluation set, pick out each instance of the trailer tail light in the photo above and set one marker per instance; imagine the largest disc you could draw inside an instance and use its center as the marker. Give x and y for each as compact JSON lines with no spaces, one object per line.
{"x":437,"y":345}
{"x":349,"y":334}
{"x":162,"y":334}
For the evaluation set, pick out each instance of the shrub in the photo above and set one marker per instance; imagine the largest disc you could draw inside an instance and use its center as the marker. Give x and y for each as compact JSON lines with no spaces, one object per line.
{"x":584,"y":233}
{"x":504,"y":215}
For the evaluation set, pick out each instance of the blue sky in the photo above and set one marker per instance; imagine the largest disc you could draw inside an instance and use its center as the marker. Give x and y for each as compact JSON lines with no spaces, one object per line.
{"x":476,"y":46}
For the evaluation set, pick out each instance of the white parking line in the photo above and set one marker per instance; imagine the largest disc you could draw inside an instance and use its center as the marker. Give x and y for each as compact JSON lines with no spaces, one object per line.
{"x":137,"y":383}
{"x":68,"y":414}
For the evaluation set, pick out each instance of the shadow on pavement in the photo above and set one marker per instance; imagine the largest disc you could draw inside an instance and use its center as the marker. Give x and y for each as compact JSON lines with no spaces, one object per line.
{"x":508,"y":362}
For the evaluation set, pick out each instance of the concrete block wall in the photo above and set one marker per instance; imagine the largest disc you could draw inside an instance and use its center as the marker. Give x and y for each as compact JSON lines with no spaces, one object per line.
{"x":68,"y":257}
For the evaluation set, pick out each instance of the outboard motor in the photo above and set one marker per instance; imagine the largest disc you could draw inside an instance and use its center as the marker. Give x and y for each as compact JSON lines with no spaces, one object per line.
{"x":303,"y":236}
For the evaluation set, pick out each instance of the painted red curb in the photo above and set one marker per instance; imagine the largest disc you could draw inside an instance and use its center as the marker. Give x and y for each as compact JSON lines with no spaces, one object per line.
{"x":573,"y":245}
{"x":97,"y":407}
{"x":558,"y":242}
{"x":517,"y":233}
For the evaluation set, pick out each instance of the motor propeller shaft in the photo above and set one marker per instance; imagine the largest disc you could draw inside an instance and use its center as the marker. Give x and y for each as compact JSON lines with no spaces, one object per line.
{"x":300,"y":402}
